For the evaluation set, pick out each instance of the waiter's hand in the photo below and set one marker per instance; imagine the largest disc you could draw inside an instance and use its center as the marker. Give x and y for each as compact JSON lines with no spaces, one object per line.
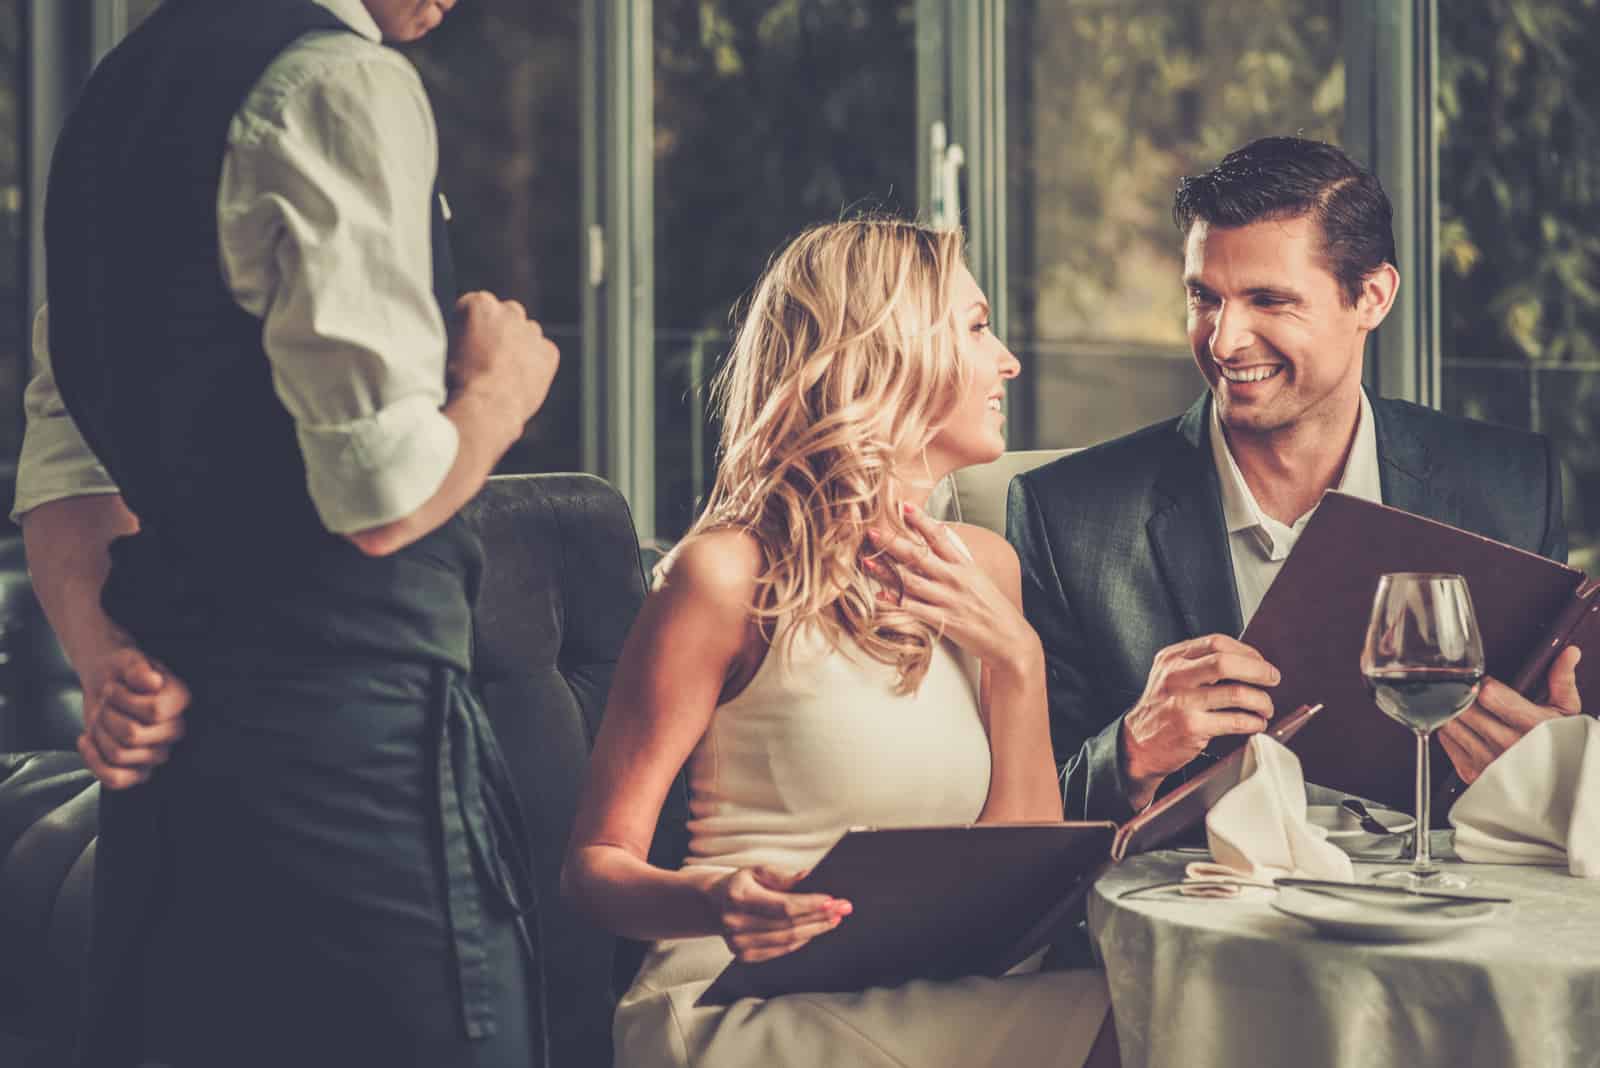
{"x":1500,"y":716}
{"x":132,"y":715}
{"x":1197,"y":690}
{"x":498,"y":349}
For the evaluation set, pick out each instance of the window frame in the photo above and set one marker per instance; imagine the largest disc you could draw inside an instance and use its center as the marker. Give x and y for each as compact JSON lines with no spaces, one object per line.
{"x":1390,"y":53}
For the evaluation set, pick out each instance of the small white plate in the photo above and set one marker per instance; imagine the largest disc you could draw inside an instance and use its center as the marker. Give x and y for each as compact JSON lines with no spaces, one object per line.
{"x":1371,"y":918}
{"x":1344,"y":829}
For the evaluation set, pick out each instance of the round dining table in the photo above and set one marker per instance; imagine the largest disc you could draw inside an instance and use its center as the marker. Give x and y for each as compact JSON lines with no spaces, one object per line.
{"x":1232,"y":982}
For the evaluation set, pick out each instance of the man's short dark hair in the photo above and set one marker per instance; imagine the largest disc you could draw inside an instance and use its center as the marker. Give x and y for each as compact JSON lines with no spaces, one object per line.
{"x":1277,"y":178}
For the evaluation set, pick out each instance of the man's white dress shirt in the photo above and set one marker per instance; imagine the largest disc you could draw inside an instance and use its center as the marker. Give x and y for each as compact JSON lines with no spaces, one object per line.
{"x":326,"y":235}
{"x":1258,"y":543}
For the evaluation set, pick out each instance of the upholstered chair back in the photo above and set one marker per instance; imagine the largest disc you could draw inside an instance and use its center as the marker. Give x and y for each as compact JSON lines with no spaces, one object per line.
{"x":49,"y":814}
{"x":560,"y":589}
{"x":977,"y":494}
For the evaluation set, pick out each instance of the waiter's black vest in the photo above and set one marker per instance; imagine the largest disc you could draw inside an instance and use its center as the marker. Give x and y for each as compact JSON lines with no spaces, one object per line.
{"x":167,"y":378}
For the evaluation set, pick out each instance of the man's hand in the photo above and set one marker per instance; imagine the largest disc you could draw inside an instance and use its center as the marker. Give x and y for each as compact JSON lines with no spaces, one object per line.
{"x":1500,"y":716}
{"x":1197,"y":690}
{"x":131,"y":718}
{"x":498,"y":349}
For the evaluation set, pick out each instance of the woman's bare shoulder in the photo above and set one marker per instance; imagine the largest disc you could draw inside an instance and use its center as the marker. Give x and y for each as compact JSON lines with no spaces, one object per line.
{"x":990,"y":551}
{"x":719,"y":565}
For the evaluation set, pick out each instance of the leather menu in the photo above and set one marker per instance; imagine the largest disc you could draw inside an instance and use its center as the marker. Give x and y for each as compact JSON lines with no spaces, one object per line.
{"x":1312,"y":623}
{"x":972,"y":899}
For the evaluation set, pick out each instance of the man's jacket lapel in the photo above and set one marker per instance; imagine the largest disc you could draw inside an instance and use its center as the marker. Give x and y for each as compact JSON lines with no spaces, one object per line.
{"x":1188,"y":535}
{"x":1405,"y":468}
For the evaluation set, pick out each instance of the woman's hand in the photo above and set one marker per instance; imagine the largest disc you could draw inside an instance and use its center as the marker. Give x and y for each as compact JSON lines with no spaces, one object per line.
{"x":941,"y":585}
{"x":760,"y":919}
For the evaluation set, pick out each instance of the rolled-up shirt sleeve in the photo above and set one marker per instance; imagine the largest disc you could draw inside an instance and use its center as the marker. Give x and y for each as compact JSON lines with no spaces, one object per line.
{"x":56,"y":462}
{"x":324,"y":216}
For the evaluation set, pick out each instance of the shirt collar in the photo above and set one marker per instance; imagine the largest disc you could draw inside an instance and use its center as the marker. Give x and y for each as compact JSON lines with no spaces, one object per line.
{"x":354,"y":14}
{"x":1360,"y":477}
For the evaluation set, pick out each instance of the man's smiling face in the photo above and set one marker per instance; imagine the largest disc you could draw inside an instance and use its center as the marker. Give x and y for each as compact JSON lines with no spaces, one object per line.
{"x":1269,"y":325}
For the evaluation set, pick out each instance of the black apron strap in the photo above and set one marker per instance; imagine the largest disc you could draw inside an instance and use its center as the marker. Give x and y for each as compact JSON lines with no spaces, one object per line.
{"x":483,"y":832}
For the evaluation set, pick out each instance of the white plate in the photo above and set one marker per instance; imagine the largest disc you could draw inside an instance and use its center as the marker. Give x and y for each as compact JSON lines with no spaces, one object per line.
{"x":1375,"y":918}
{"x":1344,"y":829}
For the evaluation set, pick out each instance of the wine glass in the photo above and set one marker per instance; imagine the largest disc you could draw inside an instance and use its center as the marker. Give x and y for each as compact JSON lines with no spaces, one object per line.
{"x":1423,"y":662}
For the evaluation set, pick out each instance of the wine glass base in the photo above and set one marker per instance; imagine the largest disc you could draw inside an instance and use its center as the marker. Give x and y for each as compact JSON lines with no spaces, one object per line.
{"x":1411,"y":880}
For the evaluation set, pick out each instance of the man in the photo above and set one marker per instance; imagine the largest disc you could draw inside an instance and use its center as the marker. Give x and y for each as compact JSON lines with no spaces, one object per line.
{"x":239,"y":490}
{"x":1143,"y":557}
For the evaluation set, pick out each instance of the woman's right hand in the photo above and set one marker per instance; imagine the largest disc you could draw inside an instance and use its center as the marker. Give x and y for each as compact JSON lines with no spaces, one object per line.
{"x":941,"y":582}
{"x":760,"y":919}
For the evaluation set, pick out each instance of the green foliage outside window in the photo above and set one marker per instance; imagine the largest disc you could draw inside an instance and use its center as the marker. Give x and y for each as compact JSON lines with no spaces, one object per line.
{"x":1519,"y":164}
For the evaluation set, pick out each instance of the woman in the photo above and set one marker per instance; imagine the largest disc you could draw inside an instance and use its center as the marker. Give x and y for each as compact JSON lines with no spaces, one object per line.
{"x":822,"y":654}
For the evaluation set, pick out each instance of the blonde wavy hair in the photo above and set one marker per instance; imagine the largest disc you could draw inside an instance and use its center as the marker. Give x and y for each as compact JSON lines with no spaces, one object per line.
{"x":844,"y":364}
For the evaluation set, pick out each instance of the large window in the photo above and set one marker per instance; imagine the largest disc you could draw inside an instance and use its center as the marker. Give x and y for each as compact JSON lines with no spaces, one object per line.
{"x":139,"y":10}
{"x":1109,"y":102}
{"x":1519,"y":205}
{"x":631,"y":164}
{"x":769,"y":116}
{"x":13,"y":235}
{"x":504,"y":79}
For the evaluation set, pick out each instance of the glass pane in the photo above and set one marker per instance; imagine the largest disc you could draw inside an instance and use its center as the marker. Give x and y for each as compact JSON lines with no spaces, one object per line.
{"x":14,"y":341}
{"x":770,"y":115}
{"x":1108,"y":103}
{"x":139,"y":10}
{"x":504,"y":79}
{"x":1519,"y":211}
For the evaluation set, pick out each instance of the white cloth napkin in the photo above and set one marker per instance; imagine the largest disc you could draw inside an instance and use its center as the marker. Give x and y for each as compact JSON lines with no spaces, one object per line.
{"x":1258,"y":830}
{"x":1538,"y":803}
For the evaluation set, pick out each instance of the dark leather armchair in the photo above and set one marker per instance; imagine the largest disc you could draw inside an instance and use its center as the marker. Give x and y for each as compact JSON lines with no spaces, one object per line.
{"x":560,"y":590}
{"x":561,"y":587}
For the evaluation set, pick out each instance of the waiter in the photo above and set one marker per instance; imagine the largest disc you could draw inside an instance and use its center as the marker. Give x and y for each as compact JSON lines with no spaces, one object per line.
{"x":248,"y":440}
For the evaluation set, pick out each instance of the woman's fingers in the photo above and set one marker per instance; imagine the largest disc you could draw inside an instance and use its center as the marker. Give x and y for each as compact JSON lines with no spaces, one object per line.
{"x":761,"y":919}
{"x":910,"y":555}
{"x":933,"y":615}
{"x":742,"y":922}
{"x":934,"y":533}
{"x":917,"y":588}
{"x":764,"y":945}
{"x":746,"y":894}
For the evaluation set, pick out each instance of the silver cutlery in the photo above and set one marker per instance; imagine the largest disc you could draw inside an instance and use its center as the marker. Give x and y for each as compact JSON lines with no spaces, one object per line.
{"x":1368,"y":822}
{"x":1333,"y":888}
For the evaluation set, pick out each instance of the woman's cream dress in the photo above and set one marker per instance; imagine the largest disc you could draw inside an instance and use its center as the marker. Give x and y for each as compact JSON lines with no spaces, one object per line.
{"x":807,"y":750}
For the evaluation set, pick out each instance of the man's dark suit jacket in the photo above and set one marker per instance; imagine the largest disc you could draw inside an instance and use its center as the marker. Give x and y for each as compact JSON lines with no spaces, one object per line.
{"x":1124,"y":551}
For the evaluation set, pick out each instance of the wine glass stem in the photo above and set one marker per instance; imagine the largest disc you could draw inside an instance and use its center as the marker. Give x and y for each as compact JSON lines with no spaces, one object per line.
{"x":1423,"y":862}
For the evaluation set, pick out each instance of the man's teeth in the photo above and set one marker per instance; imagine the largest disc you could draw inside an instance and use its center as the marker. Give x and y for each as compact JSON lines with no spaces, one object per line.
{"x":994,"y":404}
{"x":1248,"y":374}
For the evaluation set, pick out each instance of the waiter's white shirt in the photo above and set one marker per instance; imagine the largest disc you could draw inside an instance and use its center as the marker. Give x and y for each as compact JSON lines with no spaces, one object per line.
{"x":1258,"y":543}
{"x":326,"y":236}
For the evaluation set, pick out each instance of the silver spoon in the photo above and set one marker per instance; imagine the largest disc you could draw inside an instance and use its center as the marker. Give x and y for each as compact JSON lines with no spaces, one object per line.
{"x":1368,"y":823}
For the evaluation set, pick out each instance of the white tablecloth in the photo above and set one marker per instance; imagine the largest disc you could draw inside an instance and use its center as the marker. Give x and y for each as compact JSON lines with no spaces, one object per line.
{"x":1235,"y":983}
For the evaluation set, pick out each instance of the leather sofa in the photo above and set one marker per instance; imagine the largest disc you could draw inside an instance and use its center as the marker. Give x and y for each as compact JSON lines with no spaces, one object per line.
{"x":40,"y":707}
{"x":562,"y":585}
